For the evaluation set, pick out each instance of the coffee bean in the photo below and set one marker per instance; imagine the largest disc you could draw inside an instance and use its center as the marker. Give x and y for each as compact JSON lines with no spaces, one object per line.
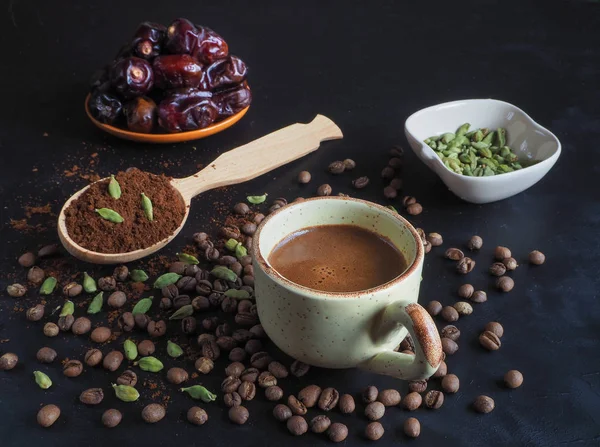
{"x":258,"y":331}
{"x":297,"y":425}
{"x":250,"y":375}
{"x":489,"y":341}
{"x":185,"y":284}
{"x":299,"y":369}
{"x":197,"y":416}
{"x":211,"y":323}
{"x":360,"y":182}
{"x":45,"y":355}
{"x":232,"y":399}
{"x":117,"y":299}
{"x":309,"y":395}
{"x":418,"y":386}
{"x":389,"y":398}
{"x":278,"y":370}
{"x":153,"y":413}
{"x":484,"y":404}
{"x":51,"y":330}
{"x":211,"y":253}
{"x":66,"y":323}
{"x":112,"y":360}
{"x":47,"y":415}
{"x":449,"y":314}
{"x":241,"y":208}
{"x":441,"y":371}
{"x":282,"y":412}
{"x":177,"y":267}
{"x":374,"y":411}
{"x":450,"y":331}
{"x":412,"y":401}
{"x":234,"y":369}
{"x":434,"y":399}
{"x":388,"y":172}
{"x":27,"y":259}
{"x":495,"y":327}
{"x":505,"y":283}
{"x":237,"y":355}
{"x":415,"y":209}
{"x":466,"y":291}
{"x":454,"y":254}
{"x":35,"y":313}
{"x":16,"y":290}
{"x":465,"y":265}
{"x":434,"y":308}
{"x":273,"y":393}
{"x":36,"y":275}
{"x":374,"y":431}
{"x":72,"y":289}
{"x":253,"y":346}
{"x":247,"y":390}
{"x":92,"y":396}
{"x":497,"y":269}
{"x":463,"y":308}
{"x":328,"y":399}
{"x":191,"y":270}
{"x":347,"y":404}
{"x":8,"y":361}
{"x":107,"y":284}
{"x":296,"y":406}
{"x":479,"y":296}
{"x":412,"y":427}
{"x":101,"y":334}
{"x":177,"y":375}
{"x":127,"y":377}
{"x":72,"y":368}
{"x":304,"y":177}
{"x":513,"y":379}
{"x":230,"y":384}
{"x":324,"y":190}
{"x":337,"y":167}
{"x":126,"y":322}
{"x":204,"y":365}
{"x":249,"y":281}
{"x":320,"y":424}
{"x":242,"y":335}
{"x":337,"y":432}
{"x":510,"y":263}
{"x":501,"y":253}
{"x":397,"y":184}
{"x":369,"y":394}
{"x":246,"y":318}
{"x":389,"y":192}
{"x":450,"y":383}
{"x":156,"y":328}
{"x":260,"y":360}
{"x":266,"y":379}
{"x":238,"y":414}
{"x":48,"y":250}
{"x":146,"y":347}
{"x":111,"y":418}
{"x":93,"y":357}
{"x":535,"y":257}
{"x":165,"y":303}
{"x":81,"y":325}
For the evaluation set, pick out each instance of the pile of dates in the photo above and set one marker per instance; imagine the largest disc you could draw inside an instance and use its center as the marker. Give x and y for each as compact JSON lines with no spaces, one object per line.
{"x":186,"y":69}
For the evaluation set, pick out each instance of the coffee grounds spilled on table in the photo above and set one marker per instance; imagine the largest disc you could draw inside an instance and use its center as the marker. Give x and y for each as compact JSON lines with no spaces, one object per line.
{"x":91,"y":231}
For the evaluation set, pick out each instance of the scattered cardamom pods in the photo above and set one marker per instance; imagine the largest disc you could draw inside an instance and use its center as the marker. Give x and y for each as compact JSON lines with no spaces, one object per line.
{"x":182,"y":312}
{"x":147,"y":207}
{"x":89,"y":285}
{"x":151,"y":364}
{"x":166,"y":280}
{"x":42,"y":380}
{"x":173,"y":349}
{"x":240,"y":251}
{"x":67,"y":309}
{"x":126,"y":393}
{"x":48,"y":285}
{"x":257,"y":200}
{"x":142,"y":306}
{"x":114,"y":189}
{"x":138,"y":275}
{"x":231,"y":244}
{"x":187,"y":259}
{"x":199,"y":392}
{"x":237,"y":294}
{"x":130,"y":349}
{"x":110,"y":215}
{"x":96,"y":304}
{"x":222,"y":272}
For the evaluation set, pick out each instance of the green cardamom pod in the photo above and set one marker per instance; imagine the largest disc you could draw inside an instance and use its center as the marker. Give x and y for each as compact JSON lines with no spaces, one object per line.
{"x":110,"y":215}
{"x":96,"y":304}
{"x":231,"y":244}
{"x":222,"y":272}
{"x":42,"y":380}
{"x":151,"y":364}
{"x":187,"y":259}
{"x":89,"y":285}
{"x":448,"y":137}
{"x":257,"y":200}
{"x":173,"y":349}
{"x":501,"y":136}
{"x":391,"y":207}
{"x":67,"y":309}
{"x":237,"y":294}
{"x":166,"y":280}
{"x":462,"y":130}
{"x":114,"y":189}
{"x":240,"y":251}
{"x":199,"y":392}
{"x":130,"y":349}
{"x":126,"y":393}
{"x":142,"y":306}
{"x":489,"y":138}
{"x":138,"y":276}
{"x":147,"y":207}
{"x":182,"y":312}
{"x":48,"y":286}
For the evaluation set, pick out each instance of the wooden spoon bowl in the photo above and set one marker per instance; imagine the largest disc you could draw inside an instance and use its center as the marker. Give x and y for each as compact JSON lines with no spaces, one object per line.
{"x":235,"y":166}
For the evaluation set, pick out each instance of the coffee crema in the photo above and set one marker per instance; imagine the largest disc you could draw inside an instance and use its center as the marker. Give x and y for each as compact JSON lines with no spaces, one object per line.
{"x":337,"y":258}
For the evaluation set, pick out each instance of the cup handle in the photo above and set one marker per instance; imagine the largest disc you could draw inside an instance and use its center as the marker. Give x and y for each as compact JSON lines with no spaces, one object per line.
{"x":428,"y":346}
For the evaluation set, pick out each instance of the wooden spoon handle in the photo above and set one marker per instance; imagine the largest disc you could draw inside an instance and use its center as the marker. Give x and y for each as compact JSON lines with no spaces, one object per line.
{"x":260,"y":156}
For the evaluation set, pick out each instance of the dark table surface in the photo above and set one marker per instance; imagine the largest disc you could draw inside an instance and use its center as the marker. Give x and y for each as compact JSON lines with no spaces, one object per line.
{"x":366,"y":65}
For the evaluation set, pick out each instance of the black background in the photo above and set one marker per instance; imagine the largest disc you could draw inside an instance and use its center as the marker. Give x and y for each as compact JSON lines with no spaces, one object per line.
{"x":368,"y":66}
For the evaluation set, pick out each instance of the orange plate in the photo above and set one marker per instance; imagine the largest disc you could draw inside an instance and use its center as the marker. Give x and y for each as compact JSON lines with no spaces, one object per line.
{"x":166,"y":137}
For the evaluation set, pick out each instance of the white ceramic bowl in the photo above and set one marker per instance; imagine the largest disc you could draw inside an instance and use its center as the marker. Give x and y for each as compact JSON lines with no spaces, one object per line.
{"x":529,"y":140}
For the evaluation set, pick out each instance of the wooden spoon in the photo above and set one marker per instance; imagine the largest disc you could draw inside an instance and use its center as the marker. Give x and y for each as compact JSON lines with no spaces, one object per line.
{"x":235,"y":166}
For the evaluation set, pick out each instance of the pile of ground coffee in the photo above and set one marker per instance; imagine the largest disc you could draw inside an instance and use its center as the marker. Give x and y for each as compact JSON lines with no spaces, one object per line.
{"x":91,"y":231}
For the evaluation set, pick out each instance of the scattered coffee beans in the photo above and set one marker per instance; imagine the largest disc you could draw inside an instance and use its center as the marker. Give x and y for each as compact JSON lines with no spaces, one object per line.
{"x":475,"y":243}
{"x":324,"y":190}
{"x":454,"y":254}
{"x":370,"y":394}
{"x":93,"y":357}
{"x":435,"y":239}
{"x":27,"y":259}
{"x":412,"y":427}
{"x":81,"y":325}
{"x":273,"y":393}
{"x":112,"y":360}
{"x":48,"y":415}
{"x":296,"y":406}
{"x":389,"y":398}
{"x":466,"y":291}
{"x":299,"y":369}
{"x":505,"y":283}
{"x":127,"y":377}
{"x":510,"y":263}
{"x":450,"y":383}
{"x":320,"y":424}
{"x":16,"y":290}
{"x":497,"y":269}
{"x":441,"y":371}
{"x":418,"y":386}
{"x":282,"y":412}
{"x":483,"y":404}
{"x":238,"y":414}
{"x":449,"y":346}
{"x":347,"y":404}
{"x":450,"y":331}
{"x":44,"y":355}
{"x":513,"y":379}
{"x":304,"y":177}
{"x":434,"y":399}
{"x":337,"y":432}
{"x":111,"y":418}
{"x":309,"y":395}
{"x":92,"y":396}
{"x":489,"y":341}
{"x":465,"y":265}
{"x":51,"y":330}
{"x":8,"y":361}
{"x":100,"y":334}
{"x":374,"y":411}
{"x":153,"y":413}
{"x":374,"y":431}
{"x":278,"y":370}
{"x":449,"y":314}
{"x":232,"y":399}
{"x":414,"y":209}
{"x":496,"y":328}
{"x":434,"y":308}
{"x":463,"y":308}
{"x":337,"y":167}
{"x":501,"y":253}
{"x":479,"y":296}
{"x":412,"y":401}
{"x":197,"y":416}
{"x":536,"y":257}
{"x":328,"y":399}
{"x":360,"y":182}
{"x":72,"y":368}
{"x":297,"y":425}
{"x":177,"y":375}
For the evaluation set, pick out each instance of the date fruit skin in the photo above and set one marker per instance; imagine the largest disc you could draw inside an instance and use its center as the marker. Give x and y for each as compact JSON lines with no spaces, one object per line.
{"x":141,"y":114}
{"x":182,"y":37}
{"x":148,"y":40}
{"x":224,"y":73}
{"x":187,"y":109}
{"x":105,"y":107}
{"x":177,"y":71}
{"x":131,"y":77}
{"x":231,"y":101}
{"x":210,"y":46}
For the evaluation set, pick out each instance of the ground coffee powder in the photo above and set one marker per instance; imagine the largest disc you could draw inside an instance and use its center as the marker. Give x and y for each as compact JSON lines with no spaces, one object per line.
{"x":91,"y":231}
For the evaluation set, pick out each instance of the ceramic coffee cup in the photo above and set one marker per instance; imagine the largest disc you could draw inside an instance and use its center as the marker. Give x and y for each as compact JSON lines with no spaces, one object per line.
{"x":354,"y":329}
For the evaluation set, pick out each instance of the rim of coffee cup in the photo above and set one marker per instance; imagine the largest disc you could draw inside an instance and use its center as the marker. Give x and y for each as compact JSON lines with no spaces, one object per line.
{"x":314,"y":293}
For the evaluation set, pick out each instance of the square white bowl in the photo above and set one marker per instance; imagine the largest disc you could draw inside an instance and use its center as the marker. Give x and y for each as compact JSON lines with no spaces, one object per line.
{"x":529,"y":140}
